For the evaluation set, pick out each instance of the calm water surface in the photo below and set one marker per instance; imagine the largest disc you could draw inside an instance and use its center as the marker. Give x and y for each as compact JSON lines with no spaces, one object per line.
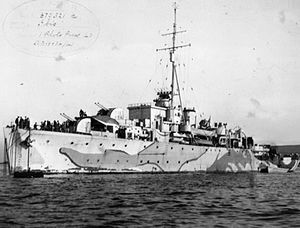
{"x":147,"y":200}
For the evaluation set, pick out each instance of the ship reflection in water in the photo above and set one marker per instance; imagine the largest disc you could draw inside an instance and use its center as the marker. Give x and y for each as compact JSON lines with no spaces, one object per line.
{"x":186,"y":199}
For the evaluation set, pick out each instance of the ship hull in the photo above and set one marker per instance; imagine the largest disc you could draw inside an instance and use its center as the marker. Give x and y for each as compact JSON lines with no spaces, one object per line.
{"x":56,"y":152}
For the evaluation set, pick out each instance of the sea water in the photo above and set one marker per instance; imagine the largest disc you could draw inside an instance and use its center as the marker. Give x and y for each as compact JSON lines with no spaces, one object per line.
{"x":147,"y":200}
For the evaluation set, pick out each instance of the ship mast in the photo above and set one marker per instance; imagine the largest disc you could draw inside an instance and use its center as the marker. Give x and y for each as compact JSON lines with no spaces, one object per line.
{"x":172,"y":50}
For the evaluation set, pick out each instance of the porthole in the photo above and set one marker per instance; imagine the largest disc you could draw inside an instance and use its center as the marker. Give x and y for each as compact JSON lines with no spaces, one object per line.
{"x":171,"y":148}
{"x":144,"y":146}
{"x":117,"y":160}
{"x":72,"y":142}
{"x":87,"y":160}
{"x":141,"y":161}
{"x":87,"y":144}
{"x":100,"y":144}
{"x":182,"y":148}
{"x":178,"y":162}
{"x":148,"y":161}
{"x":125,"y":145}
{"x":113,"y":144}
{"x":192,"y":148}
{"x":127,"y":161}
{"x":167,"y":161}
{"x":156,"y":147}
{"x":98,"y":160}
{"x":157,"y":162}
{"x":47,"y":141}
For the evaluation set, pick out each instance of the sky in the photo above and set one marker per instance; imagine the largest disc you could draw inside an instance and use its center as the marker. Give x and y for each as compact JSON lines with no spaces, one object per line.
{"x":242,"y":68}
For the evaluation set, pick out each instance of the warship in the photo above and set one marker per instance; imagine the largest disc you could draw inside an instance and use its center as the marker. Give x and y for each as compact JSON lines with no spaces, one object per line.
{"x":160,"y":136}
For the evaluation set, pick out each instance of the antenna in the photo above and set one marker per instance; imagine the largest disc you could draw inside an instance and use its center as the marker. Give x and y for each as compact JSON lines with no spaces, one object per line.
{"x":172,"y":50}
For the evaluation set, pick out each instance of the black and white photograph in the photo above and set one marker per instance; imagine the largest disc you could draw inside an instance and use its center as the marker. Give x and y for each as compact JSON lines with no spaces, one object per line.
{"x":150,"y":113}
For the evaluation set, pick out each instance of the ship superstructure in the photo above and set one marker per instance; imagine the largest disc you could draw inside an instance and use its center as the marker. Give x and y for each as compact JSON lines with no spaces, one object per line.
{"x":159,"y":136}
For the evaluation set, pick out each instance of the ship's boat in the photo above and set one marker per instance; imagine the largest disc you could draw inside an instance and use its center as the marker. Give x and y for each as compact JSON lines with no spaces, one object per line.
{"x":160,"y":136}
